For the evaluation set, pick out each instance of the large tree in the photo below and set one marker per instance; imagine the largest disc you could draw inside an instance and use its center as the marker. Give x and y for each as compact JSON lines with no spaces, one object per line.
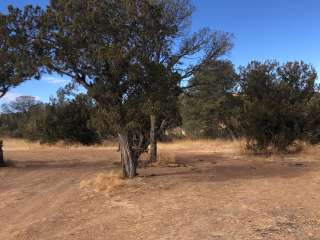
{"x":211,"y":108}
{"x":166,"y":60}
{"x":18,"y":57}
{"x":97,"y":44}
{"x":109,"y":48}
{"x":20,"y":104}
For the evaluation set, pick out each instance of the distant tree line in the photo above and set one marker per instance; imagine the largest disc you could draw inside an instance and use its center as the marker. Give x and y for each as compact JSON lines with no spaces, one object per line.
{"x":68,"y":117}
{"x":59,"y":120}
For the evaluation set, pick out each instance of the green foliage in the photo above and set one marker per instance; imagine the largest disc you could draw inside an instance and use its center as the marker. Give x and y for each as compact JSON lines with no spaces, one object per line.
{"x":19,"y":60}
{"x":9,"y":125}
{"x":68,"y":120}
{"x":62,"y":119}
{"x":100,"y":50}
{"x":117,"y":49}
{"x":160,"y":97}
{"x":275,"y":100}
{"x":18,"y":118}
{"x":312,"y":129}
{"x":210,"y":107}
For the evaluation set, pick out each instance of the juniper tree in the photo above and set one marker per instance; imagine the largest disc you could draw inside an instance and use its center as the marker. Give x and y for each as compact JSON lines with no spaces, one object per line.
{"x":107,"y":46}
{"x":97,"y":44}
{"x":275,"y":102}
{"x":20,"y":104}
{"x":211,"y":108}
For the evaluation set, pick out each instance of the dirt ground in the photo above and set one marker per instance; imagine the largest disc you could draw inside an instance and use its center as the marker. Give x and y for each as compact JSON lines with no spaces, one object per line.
{"x":211,"y":193}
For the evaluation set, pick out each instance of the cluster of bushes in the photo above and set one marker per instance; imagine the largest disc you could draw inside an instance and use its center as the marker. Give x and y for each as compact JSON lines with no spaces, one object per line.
{"x":66,"y":119}
{"x":279,"y":104}
{"x":269,"y":104}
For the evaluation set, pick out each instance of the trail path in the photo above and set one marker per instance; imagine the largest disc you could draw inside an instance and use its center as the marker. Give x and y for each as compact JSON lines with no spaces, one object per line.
{"x":211,"y":195}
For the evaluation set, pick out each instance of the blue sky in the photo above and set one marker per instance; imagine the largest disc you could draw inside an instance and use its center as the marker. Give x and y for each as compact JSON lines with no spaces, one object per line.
{"x":264,"y":29}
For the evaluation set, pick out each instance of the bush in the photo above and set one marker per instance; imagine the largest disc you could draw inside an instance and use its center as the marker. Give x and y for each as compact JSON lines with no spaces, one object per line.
{"x":68,"y":121}
{"x":61,"y":119}
{"x":313,"y":123}
{"x":275,"y":99}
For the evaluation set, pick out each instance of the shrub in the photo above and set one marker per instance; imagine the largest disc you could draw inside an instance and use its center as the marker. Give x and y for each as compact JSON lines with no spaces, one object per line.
{"x":275,"y":99}
{"x":313,"y":120}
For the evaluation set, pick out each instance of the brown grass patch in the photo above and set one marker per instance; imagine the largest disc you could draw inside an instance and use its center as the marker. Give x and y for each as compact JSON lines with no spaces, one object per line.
{"x":103,"y":182}
{"x":310,"y":151}
{"x":204,"y":145}
{"x":164,"y":158}
{"x":15,"y":144}
{"x":167,"y":159}
{"x":144,"y":157}
{"x":298,"y":148}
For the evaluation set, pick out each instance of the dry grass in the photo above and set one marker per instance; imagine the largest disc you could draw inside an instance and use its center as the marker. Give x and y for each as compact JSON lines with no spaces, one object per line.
{"x":103,"y":182}
{"x":310,"y":151}
{"x":167,"y":159}
{"x":144,"y":157}
{"x":298,"y":149}
{"x":204,"y":145}
{"x":167,"y":150}
{"x":301,"y":150}
{"x":14,"y":144}
{"x":164,"y":158}
{"x":19,"y":144}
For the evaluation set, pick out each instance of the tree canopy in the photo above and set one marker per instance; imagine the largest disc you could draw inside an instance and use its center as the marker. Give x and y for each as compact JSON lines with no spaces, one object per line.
{"x":19,"y":60}
{"x":210,"y":108}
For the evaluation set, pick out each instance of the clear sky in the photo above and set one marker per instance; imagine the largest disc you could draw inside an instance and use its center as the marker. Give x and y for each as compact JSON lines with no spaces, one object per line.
{"x":263,"y":29}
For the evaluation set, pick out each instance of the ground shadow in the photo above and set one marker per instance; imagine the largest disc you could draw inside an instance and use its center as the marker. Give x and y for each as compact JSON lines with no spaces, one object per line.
{"x":195,"y":167}
{"x":60,"y":164}
{"x":218,"y":167}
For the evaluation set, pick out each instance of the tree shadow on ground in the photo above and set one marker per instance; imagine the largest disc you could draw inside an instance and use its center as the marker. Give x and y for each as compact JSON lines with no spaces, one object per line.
{"x":219,"y":167}
{"x":195,"y":167}
{"x":60,"y":164}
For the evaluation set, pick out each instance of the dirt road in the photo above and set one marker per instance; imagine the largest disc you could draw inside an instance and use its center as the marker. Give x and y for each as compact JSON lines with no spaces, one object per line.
{"x":210,"y":195}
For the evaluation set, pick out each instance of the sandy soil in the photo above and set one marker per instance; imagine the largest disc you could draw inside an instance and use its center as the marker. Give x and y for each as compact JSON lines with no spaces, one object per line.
{"x":213,"y":194}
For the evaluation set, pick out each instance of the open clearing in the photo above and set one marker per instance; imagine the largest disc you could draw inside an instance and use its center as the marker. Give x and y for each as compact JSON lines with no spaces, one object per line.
{"x":214,"y":191}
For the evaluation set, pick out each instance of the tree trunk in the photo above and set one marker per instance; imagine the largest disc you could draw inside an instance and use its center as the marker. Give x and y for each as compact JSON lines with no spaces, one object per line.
{"x":2,"y":163}
{"x":129,"y":161}
{"x":153,"y":139}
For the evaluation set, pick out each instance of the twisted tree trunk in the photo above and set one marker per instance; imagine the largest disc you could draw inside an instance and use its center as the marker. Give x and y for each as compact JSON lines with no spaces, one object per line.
{"x":153,"y":139}
{"x":129,"y":160}
{"x":2,"y":163}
